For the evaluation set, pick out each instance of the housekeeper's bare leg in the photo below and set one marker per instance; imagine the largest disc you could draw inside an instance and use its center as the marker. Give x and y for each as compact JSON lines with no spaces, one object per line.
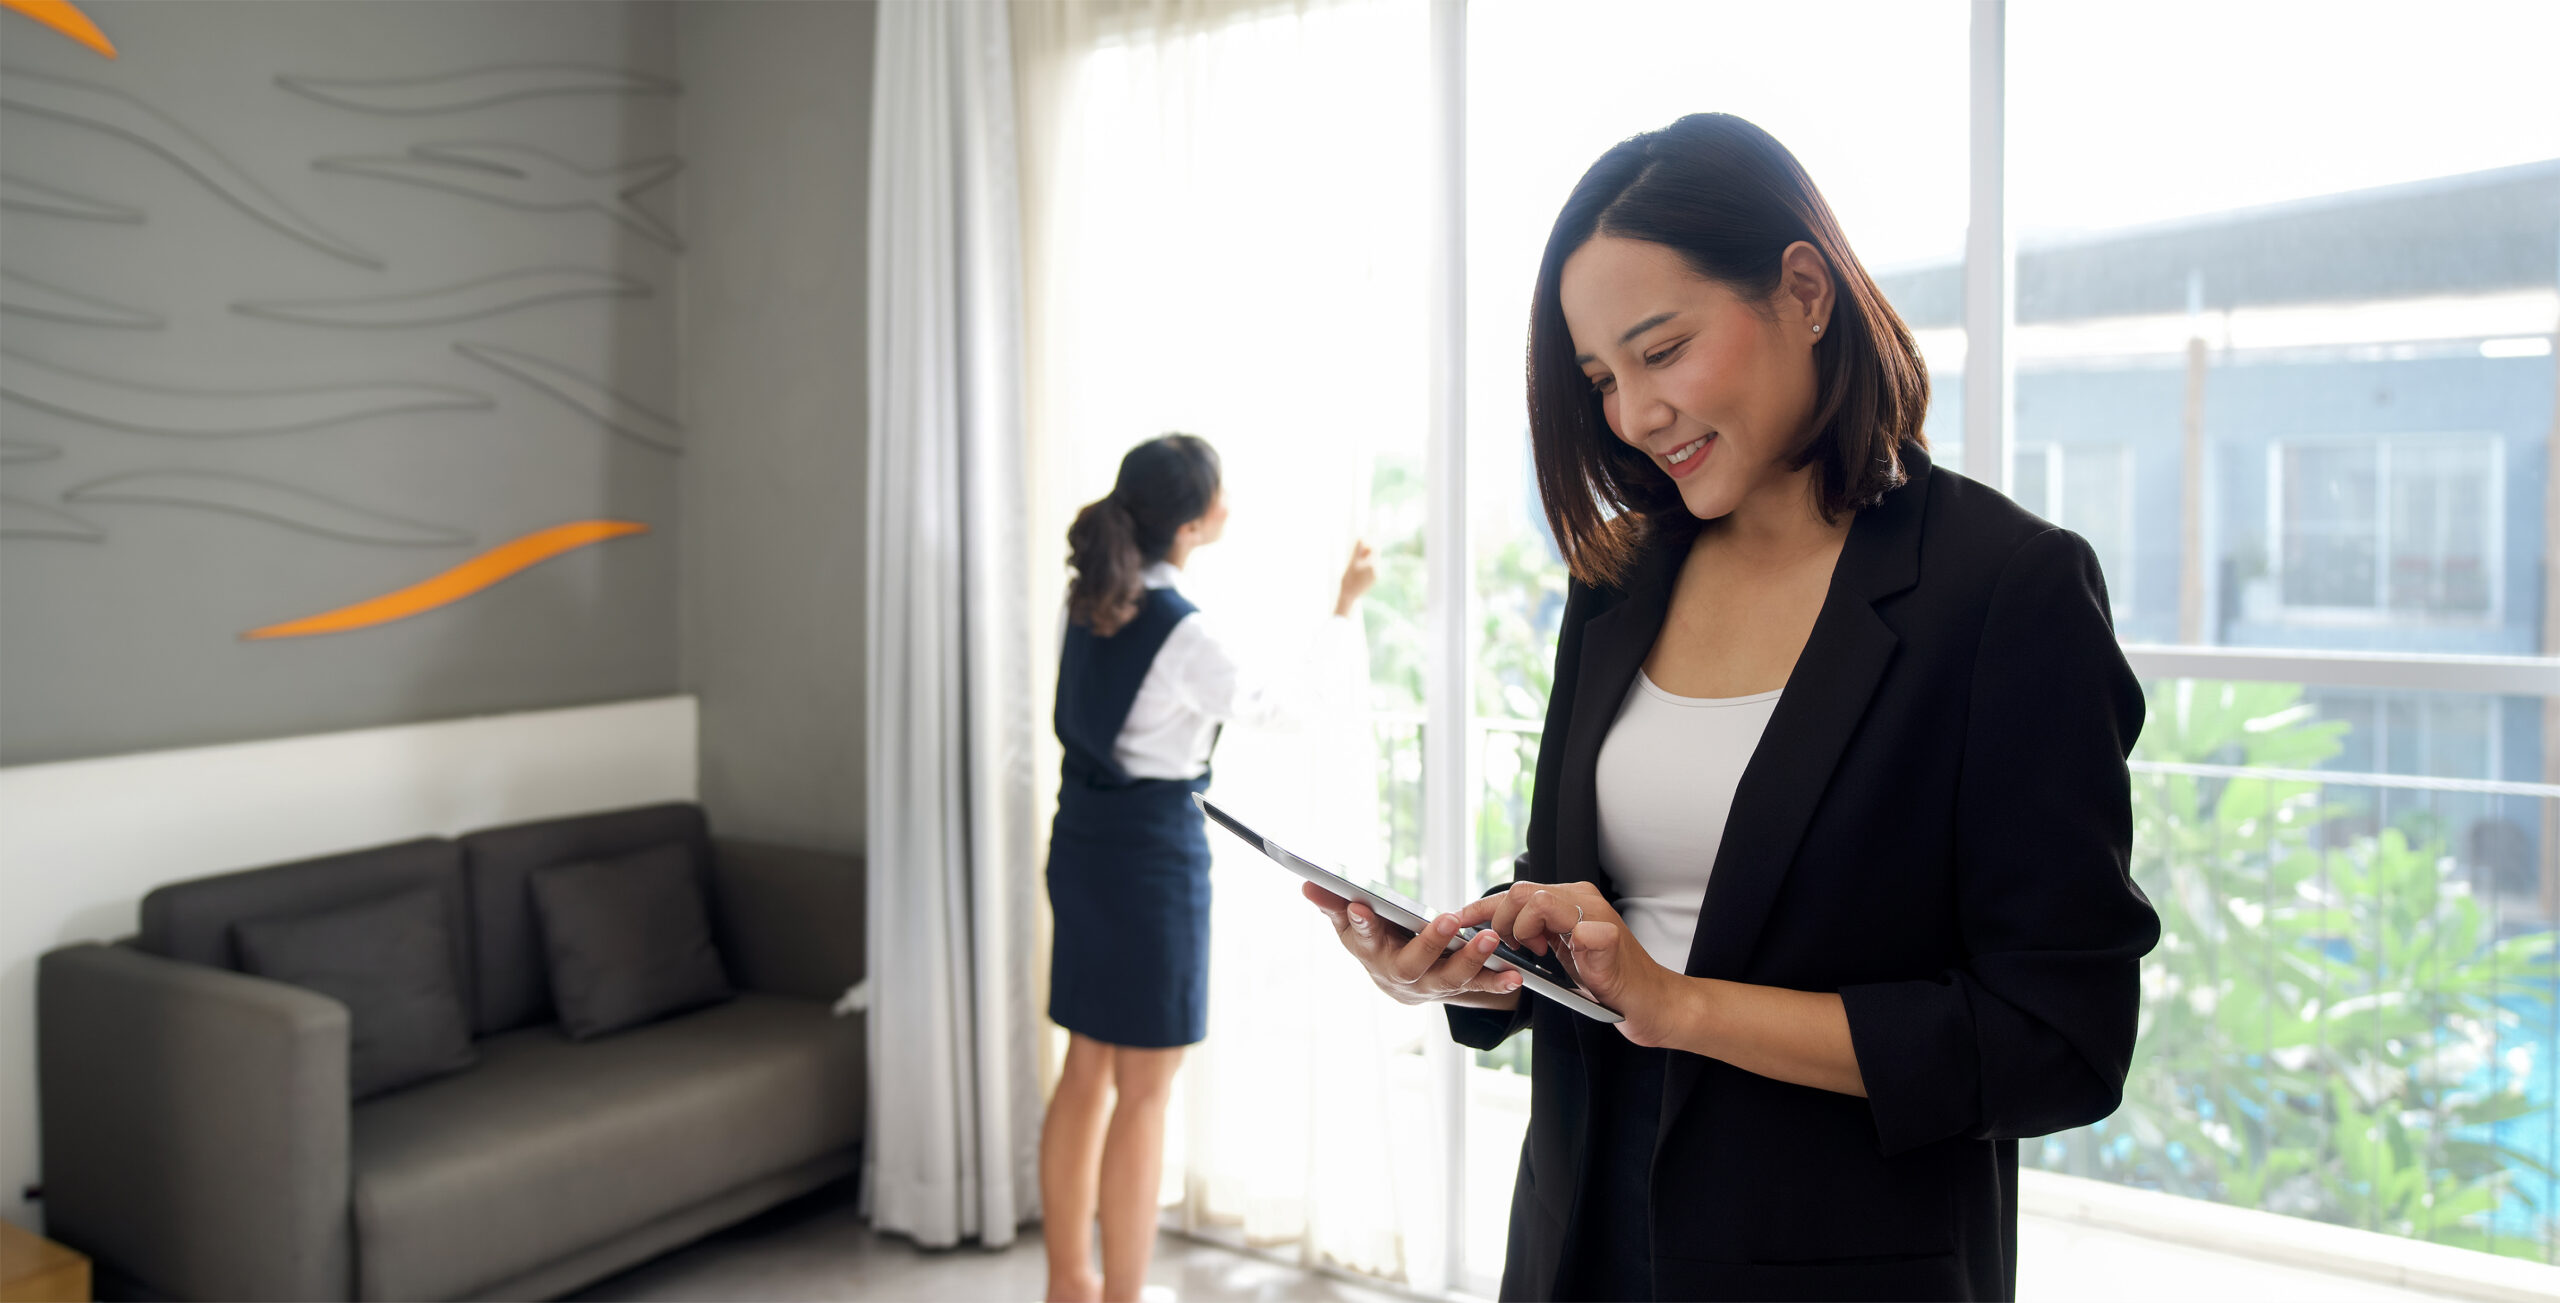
{"x":1071,"y":1168}
{"x":1133,"y":1167}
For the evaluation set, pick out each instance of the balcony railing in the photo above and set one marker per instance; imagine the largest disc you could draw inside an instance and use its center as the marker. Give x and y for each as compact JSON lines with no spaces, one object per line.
{"x":2354,"y":1011}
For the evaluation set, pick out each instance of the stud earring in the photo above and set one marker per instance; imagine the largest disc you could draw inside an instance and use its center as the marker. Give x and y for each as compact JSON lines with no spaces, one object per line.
{"x":1817,"y":330}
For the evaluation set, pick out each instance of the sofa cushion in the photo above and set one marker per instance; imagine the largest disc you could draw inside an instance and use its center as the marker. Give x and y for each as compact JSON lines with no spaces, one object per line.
{"x":192,"y":920}
{"x":626,"y":940}
{"x":390,"y":961}
{"x":551,"y":1146}
{"x":510,"y":987}
{"x":790,"y":920}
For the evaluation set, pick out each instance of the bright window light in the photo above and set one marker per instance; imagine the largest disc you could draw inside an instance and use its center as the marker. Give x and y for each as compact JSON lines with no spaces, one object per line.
{"x":2522,"y":346}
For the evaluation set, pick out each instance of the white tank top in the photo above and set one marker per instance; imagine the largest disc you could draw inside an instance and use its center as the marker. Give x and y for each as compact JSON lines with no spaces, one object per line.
{"x":1667,"y":774}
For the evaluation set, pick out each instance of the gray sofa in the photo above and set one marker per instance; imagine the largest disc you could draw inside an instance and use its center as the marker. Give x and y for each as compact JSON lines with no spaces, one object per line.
{"x":198,"y":1136}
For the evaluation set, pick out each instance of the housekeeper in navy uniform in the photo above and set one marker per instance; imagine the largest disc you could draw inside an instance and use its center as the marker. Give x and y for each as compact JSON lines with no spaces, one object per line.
{"x":1832,"y":802}
{"x":1144,"y":683}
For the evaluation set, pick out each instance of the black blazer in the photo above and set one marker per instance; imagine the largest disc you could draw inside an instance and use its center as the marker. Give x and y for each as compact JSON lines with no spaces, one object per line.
{"x":1936,"y":825}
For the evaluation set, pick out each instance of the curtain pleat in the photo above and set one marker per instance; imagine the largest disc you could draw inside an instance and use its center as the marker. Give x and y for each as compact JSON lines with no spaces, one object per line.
{"x":1224,"y":235}
{"x":953,"y":1139}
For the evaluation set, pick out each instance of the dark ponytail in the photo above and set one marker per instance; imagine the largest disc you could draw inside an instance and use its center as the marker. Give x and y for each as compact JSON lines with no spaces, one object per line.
{"x":1165,"y":484}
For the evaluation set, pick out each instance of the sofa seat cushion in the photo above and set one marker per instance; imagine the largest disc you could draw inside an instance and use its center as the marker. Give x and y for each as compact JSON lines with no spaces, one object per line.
{"x":551,"y":1146}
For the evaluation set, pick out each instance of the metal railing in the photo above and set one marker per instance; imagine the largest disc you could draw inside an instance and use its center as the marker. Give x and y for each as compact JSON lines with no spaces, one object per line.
{"x":2354,"y":1011}
{"x":2351,"y":1014}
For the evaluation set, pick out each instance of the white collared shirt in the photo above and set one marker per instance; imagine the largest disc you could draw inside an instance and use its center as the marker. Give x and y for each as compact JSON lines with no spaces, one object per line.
{"x":1198,"y":683}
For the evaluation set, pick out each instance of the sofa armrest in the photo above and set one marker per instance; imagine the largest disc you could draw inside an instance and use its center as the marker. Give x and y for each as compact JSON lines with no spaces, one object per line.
{"x":790,"y":920}
{"x":195,"y":1125}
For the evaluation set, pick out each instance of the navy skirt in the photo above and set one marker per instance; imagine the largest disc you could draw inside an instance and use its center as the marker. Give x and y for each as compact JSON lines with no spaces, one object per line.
{"x":1129,"y":893}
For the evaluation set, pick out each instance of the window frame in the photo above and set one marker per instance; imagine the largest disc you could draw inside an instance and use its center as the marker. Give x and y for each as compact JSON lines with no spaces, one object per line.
{"x":2056,"y":456}
{"x":2381,"y":614}
{"x":1981,"y":445}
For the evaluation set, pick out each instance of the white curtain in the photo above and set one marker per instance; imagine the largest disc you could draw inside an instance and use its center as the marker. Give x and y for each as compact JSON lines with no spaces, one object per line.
{"x":1224,"y":235}
{"x":952,"y":1150}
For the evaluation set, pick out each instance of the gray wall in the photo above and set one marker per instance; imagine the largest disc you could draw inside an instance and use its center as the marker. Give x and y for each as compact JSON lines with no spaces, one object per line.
{"x":128,"y":636}
{"x":121,"y":621}
{"x":777,"y":128}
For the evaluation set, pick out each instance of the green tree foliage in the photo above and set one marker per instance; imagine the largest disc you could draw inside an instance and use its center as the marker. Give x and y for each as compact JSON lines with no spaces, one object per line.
{"x":2331,"y":1025}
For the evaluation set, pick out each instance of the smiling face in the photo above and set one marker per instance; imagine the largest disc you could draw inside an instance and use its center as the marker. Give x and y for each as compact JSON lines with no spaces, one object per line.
{"x":1714,"y":389}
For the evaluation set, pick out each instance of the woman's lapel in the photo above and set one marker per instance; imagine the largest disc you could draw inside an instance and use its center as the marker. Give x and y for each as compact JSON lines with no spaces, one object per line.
{"x":1826,"y":696}
{"x":1614,"y":645}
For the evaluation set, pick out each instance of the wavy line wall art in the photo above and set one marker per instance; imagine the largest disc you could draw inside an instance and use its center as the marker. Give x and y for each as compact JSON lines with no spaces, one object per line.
{"x":617,"y":413}
{"x":16,"y":451}
{"x":116,"y":113}
{"x":520,"y":176}
{"x":215,"y":413}
{"x":20,"y":518}
{"x":469,"y":301}
{"x":25,"y":296}
{"x":272,"y":501}
{"x":66,"y":18}
{"x":453,"y":585}
{"x":475,"y":88}
{"x":20,"y":195}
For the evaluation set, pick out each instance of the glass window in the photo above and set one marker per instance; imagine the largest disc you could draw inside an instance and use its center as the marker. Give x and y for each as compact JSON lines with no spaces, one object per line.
{"x":2401,"y":526}
{"x":1549,"y":88}
{"x":2331,"y":312}
{"x":2443,"y":500}
{"x":2350,"y":354}
{"x":1189,"y":267}
{"x":2332,"y":524}
{"x":2087,"y":489}
{"x":2392,"y":280}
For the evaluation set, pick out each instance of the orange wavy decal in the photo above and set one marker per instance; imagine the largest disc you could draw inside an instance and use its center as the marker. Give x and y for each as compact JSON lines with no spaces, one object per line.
{"x":460,"y":582}
{"x":63,"y":17}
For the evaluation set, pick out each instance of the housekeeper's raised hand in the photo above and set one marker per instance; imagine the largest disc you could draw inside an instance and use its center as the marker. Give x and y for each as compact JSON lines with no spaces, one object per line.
{"x":1357,"y":578}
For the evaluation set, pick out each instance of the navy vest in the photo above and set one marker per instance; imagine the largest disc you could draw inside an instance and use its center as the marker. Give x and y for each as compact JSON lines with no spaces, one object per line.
{"x":1098,"y":680}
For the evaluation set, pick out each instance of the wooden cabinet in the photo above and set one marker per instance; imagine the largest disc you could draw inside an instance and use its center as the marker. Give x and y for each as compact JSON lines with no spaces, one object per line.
{"x":34,"y":1269}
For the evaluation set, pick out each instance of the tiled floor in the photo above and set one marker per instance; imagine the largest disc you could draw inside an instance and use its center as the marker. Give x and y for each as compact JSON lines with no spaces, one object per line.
{"x":2067,"y":1262}
{"x":818,"y":1248}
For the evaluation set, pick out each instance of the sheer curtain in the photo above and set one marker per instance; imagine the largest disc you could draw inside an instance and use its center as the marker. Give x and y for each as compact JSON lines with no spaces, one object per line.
{"x":955,"y":1099}
{"x":1224,"y":232}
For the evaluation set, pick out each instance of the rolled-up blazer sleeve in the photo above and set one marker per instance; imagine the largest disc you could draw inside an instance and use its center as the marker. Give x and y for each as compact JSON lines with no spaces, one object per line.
{"x":2033,"y":1032}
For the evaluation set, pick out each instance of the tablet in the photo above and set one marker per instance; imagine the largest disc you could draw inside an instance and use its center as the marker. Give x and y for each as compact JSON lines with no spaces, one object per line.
{"x":1540,"y":975}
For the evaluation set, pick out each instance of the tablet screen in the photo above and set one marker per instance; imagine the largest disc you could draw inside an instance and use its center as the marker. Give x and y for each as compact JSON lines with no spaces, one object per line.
{"x":1545,"y":975}
{"x":1386,"y":899}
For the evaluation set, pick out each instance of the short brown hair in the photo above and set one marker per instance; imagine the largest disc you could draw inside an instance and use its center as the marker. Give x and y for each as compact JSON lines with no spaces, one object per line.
{"x":1729,"y":199}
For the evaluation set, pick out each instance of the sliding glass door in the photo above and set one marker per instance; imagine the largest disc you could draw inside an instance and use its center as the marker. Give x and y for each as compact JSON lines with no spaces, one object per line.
{"x":1229,"y":233}
{"x":1549,"y":88}
{"x":2283,"y":354}
{"x":2280,"y":349}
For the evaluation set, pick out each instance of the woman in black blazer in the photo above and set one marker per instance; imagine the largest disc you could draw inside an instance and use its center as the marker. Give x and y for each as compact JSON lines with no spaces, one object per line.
{"x":1917,"y":940}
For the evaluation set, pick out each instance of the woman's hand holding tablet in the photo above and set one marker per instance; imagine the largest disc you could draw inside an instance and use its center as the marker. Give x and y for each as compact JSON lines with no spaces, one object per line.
{"x":1572,"y":923}
{"x":1415,"y":959}
{"x":1419,"y":968}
